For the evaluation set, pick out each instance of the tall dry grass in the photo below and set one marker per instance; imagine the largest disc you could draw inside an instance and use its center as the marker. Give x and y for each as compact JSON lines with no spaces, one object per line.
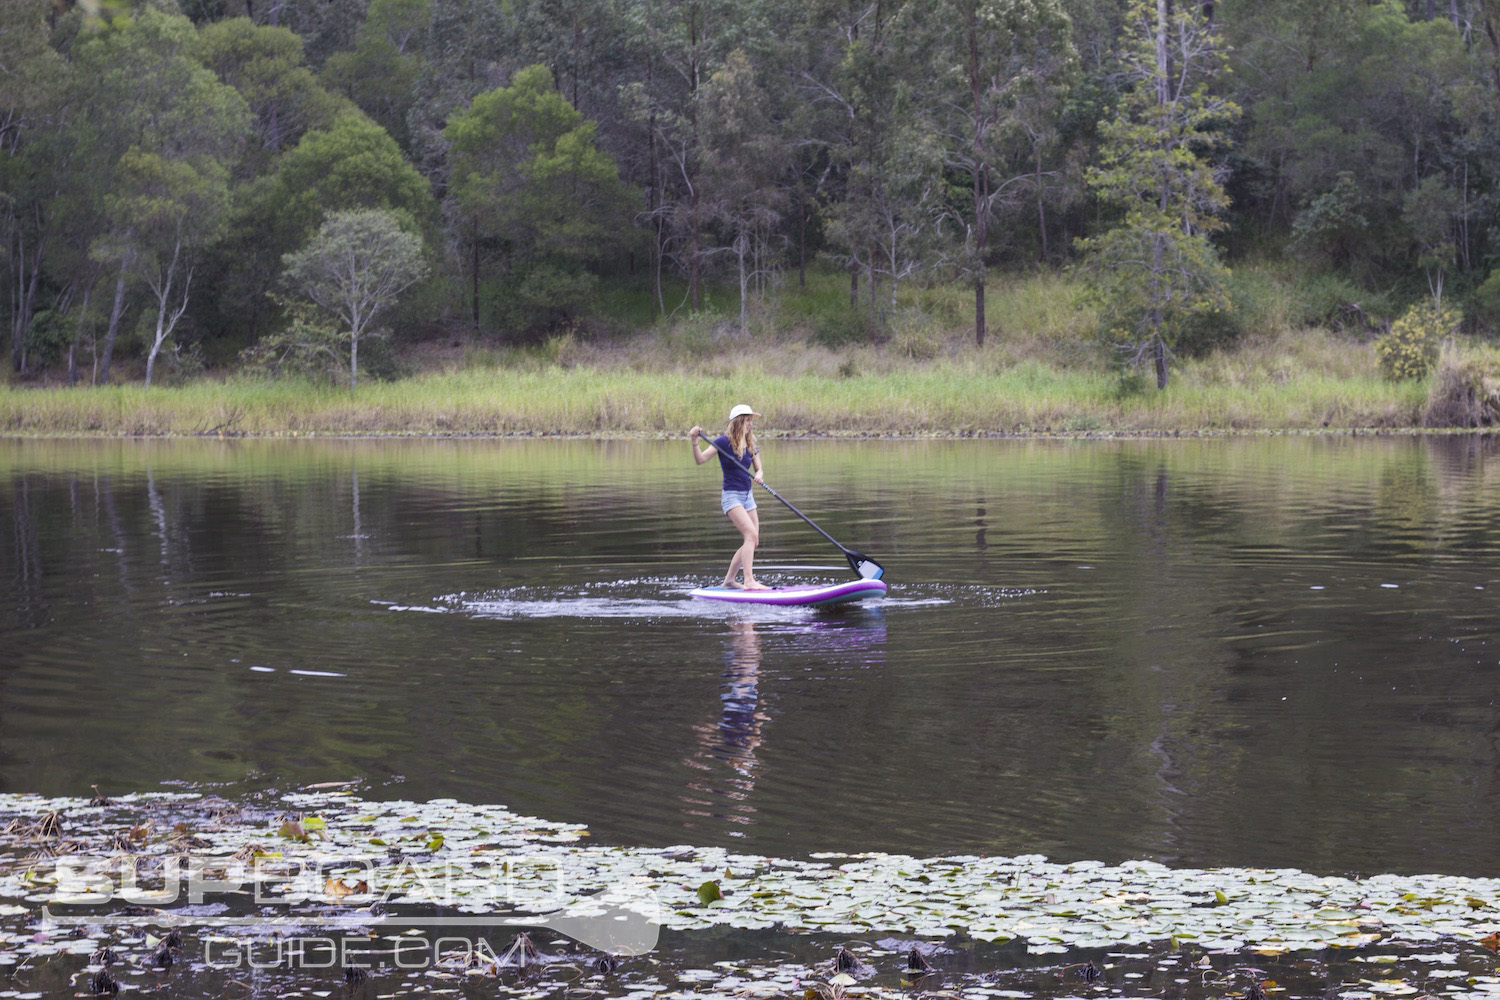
{"x":1040,"y":371}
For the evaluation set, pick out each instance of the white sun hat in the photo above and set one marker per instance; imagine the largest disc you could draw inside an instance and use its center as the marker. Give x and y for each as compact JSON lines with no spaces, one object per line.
{"x":740,"y":410}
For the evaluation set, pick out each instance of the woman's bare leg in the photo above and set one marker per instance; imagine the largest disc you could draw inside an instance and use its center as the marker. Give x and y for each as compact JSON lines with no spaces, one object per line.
{"x":748,"y":524}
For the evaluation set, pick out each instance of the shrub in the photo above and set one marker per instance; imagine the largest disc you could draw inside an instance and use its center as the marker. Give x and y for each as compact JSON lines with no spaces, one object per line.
{"x":840,"y":327}
{"x":1484,"y":305}
{"x":1465,"y":392}
{"x":48,"y":338}
{"x":541,"y":298}
{"x":1328,"y":299}
{"x":1410,"y":346}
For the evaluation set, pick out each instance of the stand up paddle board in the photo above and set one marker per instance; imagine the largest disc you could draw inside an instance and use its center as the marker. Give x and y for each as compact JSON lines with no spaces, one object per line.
{"x":828,"y":593}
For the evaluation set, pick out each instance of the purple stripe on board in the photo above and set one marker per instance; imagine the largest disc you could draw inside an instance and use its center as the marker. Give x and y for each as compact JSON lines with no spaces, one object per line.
{"x":853,"y":590}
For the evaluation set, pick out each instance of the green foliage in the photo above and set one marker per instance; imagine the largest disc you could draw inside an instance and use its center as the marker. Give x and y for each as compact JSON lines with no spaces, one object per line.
{"x":1408,"y":349}
{"x":841,"y":327}
{"x":530,"y":185}
{"x":49,"y":336}
{"x":308,"y":346}
{"x":1356,"y":104}
{"x":1485,"y":305}
{"x":354,"y":269}
{"x":264,"y":64}
{"x":1158,"y":277}
{"x":542,"y":296}
{"x":1330,"y":299}
{"x":381,"y":73}
{"x":355,"y":164}
{"x":1334,"y":224}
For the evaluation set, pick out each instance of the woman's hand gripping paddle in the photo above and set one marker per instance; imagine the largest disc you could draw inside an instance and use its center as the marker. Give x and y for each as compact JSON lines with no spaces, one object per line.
{"x":865,"y":567}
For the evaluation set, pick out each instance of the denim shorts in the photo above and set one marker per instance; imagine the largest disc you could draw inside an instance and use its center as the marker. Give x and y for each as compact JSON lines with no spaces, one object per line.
{"x":736,"y":498}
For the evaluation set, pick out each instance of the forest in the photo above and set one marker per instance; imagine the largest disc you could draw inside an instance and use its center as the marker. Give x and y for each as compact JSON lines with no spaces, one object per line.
{"x":192,"y":186}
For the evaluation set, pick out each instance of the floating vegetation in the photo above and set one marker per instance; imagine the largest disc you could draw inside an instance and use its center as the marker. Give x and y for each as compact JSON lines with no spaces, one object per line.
{"x":239,"y":886}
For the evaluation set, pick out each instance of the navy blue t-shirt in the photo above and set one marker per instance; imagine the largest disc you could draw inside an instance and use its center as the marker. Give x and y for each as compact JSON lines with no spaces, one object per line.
{"x":736,"y":470}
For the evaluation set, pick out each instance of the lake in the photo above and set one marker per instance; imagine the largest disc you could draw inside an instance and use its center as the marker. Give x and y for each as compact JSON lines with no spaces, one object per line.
{"x":1260,"y":652}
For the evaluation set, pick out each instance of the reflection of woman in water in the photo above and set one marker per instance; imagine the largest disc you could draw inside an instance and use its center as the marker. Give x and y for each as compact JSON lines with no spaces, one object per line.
{"x":737,"y":734}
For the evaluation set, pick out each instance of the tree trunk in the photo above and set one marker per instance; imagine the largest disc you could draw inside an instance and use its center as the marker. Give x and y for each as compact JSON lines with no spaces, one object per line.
{"x":164,"y":325}
{"x":78,"y":336}
{"x":353,"y":362}
{"x":740,"y":242}
{"x":114,"y":321}
{"x":26,"y":307}
{"x":1041,"y":206}
{"x":653,"y":194}
{"x":1163,"y":54}
{"x":981,"y":182}
{"x":693,"y":251}
{"x":17,"y":331}
{"x":981,"y":326}
{"x":854,"y":285}
{"x":474,"y":279}
{"x":693,"y":70}
{"x":1494,"y":37}
{"x":1159,"y":356}
{"x":802,"y":243}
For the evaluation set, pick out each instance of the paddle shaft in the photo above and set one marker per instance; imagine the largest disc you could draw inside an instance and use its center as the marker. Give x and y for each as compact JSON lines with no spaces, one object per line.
{"x":848,"y":552}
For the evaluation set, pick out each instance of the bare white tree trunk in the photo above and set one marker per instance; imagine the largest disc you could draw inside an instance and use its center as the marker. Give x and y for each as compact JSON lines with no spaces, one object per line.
{"x":161,"y":286}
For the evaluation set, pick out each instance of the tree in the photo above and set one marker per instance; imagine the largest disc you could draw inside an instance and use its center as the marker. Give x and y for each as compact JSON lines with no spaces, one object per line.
{"x":1156,"y":270}
{"x":32,"y":159}
{"x":528,"y":180}
{"x":356,"y":266}
{"x":352,"y":164}
{"x":872,"y":77}
{"x":381,"y":73}
{"x":161,"y":103}
{"x":1005,"y":56}
{"x":170,"y":210}
{"x":684,"y":41}
{"x":743,"y":158}
{"x":465,"y":46}
{"x":1359,"y":90}
{"x":266,"y":66}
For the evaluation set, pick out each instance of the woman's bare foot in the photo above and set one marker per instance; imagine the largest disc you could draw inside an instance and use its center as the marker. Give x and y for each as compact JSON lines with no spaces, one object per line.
{"x":732,"y":585}
{"x":756,"y":585}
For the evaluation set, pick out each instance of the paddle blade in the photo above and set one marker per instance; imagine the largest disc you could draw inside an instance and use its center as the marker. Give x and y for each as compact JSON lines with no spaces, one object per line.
{"x":866,"y":567}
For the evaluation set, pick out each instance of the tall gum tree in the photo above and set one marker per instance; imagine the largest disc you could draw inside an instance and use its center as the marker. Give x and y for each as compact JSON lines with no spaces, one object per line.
{"x":1156,"y":269}
{"x":744,"y":159}
{"x":997,"y":59}
{"x":159,"y":102}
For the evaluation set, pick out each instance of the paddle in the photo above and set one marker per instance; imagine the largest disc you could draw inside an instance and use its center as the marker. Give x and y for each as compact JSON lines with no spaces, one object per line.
{"x":862,"y":565}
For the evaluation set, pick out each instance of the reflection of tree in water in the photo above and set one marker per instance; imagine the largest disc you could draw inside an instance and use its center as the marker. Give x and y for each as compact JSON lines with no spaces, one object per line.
{"x":726,"y":749}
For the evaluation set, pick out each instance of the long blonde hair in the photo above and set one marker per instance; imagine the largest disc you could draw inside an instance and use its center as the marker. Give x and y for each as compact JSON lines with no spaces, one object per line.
{"x":741,"y":437}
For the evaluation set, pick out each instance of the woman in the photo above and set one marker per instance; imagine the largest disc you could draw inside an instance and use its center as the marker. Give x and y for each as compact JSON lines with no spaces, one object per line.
{"x":738,"y":455}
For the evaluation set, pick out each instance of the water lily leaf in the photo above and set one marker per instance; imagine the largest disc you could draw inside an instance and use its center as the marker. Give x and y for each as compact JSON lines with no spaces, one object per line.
{"x":709,"y":892}
{"x":293,"y":830}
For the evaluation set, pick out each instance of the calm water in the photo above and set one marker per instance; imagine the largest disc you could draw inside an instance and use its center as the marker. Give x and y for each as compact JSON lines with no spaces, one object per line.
{"x":1249,"y":652}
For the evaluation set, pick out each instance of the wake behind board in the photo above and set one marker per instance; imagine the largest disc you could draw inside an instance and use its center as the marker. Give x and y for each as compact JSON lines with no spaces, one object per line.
{"x":829,"y":593}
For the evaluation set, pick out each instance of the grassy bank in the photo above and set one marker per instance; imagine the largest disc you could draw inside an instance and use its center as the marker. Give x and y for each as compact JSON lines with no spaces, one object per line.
{"x":943,"y":396}
{"x":1041,"y":372}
